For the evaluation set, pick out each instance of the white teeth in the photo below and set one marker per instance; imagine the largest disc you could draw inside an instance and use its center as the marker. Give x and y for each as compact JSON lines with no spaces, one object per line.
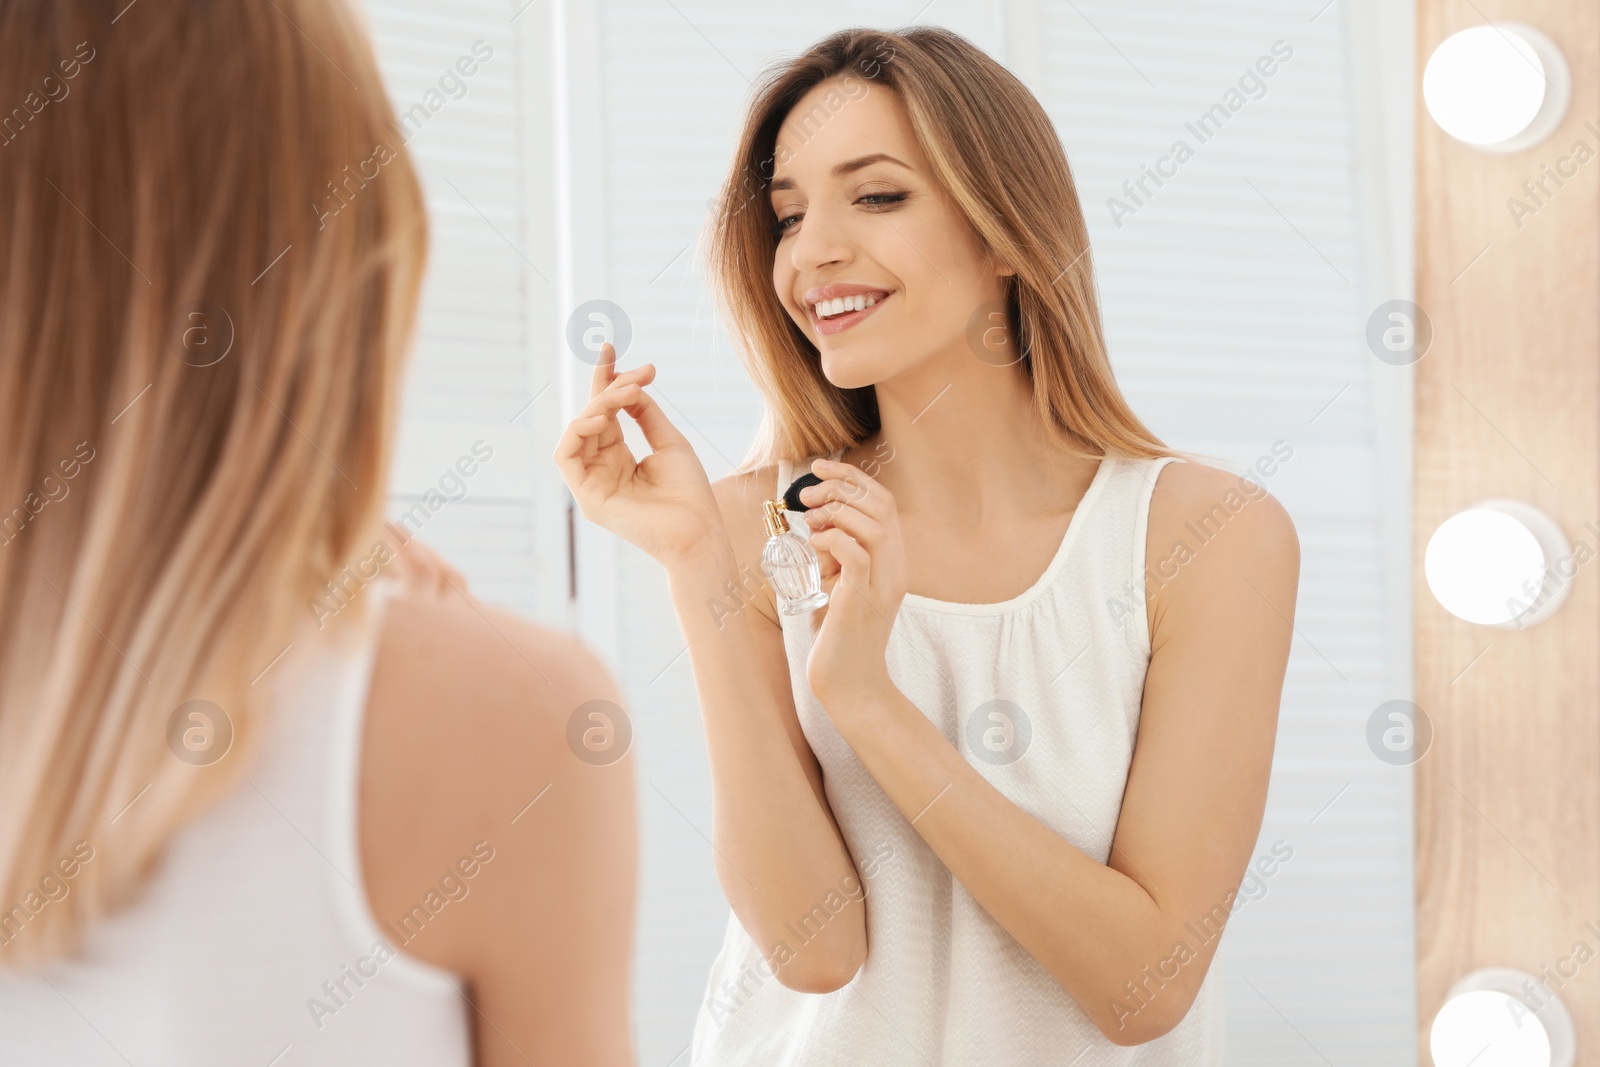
{"x":826,"y":309}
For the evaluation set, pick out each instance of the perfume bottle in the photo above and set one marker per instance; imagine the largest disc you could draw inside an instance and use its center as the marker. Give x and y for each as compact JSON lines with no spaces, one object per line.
{"x":789,"y":563}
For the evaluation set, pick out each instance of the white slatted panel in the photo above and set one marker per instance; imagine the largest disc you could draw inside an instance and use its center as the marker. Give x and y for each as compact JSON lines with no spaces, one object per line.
{"x":482,"y":350}
{"x":1235,"y":303}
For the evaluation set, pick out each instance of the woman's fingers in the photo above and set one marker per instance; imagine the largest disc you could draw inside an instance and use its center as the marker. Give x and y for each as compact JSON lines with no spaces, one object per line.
{"x":658,"y":429}
{"x":421,"y":569}
{"x":604,"y":369}
{"x":627,"y":393}
{"x":624,"y":393}
{"x":611,"y":392}
{"x":851,"y":522}
{"x":851,"y":485}
{"x":618,"y":394}
{"x":583,"y":434}
{"x":596,"y":426}
{"x":844,"y":549}
{"x":863,"y":528}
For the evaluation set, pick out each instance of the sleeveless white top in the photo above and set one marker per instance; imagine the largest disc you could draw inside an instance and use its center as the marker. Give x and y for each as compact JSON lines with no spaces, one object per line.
{"x":252,"y":943}
{"x":1041,"y":693}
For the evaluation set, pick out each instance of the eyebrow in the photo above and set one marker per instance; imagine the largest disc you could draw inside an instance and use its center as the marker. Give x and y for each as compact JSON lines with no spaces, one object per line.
{"x":847,"y":167}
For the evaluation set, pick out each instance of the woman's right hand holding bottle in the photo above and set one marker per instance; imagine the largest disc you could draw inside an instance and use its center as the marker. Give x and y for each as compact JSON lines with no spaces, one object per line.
{"x":663,"y":504}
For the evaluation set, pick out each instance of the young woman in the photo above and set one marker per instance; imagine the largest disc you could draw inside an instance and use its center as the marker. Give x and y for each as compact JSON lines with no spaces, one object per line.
{"x":249,"y":814}
{"x":991,"y":804}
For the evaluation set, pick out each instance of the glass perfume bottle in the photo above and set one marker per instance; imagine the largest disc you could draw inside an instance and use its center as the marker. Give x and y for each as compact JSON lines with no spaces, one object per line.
{"x":789,"y":563}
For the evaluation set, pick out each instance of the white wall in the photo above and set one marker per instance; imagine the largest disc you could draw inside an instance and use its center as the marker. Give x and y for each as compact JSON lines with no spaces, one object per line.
{"x":579,"y":165}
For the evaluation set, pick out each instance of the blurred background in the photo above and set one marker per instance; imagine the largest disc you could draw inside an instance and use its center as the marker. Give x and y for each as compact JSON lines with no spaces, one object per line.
{"x":576,"y":165}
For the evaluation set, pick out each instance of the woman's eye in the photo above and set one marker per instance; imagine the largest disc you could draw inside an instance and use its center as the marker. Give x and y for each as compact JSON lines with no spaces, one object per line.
{"x":781,"y":226}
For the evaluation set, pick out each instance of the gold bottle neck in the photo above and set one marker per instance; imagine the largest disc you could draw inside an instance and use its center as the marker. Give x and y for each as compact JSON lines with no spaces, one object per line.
{"x":777,"y":521}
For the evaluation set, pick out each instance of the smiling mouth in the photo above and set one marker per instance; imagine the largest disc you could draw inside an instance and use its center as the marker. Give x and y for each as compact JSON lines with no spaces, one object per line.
{"x":848,"y":318}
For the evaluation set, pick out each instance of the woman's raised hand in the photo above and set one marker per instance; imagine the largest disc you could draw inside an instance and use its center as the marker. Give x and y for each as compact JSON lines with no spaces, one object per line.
{"x":855,"y":532}
{"x":663,"y":504}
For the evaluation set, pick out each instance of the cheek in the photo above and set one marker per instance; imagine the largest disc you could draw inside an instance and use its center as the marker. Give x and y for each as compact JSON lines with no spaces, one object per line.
{"x":783,"y":287}
{"x":945,"y":278}
{"x":783,"y":284}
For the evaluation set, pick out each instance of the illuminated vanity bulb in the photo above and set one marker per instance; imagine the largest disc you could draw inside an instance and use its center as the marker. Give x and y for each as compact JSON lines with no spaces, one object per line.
{"x":1502,"y":1017}
{"x":1499,"y":563}
{"x":1501,"y":88}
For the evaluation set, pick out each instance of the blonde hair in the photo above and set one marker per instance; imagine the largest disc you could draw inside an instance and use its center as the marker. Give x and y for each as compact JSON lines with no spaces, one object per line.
{"x":966,"y":111}
{"x":207,"y":289}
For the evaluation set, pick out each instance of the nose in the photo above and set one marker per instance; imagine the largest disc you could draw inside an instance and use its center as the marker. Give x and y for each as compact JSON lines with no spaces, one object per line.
{"x":819,"y":243}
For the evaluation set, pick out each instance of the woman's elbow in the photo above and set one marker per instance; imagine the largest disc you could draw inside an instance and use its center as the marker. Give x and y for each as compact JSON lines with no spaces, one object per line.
{"x":822,"y":972}
{"x":1136,"y":1028}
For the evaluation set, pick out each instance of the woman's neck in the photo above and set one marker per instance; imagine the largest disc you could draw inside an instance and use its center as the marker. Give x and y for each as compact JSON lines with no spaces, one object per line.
{"x":956,"y":430}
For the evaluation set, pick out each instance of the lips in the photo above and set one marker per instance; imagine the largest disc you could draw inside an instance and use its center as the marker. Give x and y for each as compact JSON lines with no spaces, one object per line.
{"x":837,"y":297}
{"x":847,"y":319}
{"x":837,"y":289}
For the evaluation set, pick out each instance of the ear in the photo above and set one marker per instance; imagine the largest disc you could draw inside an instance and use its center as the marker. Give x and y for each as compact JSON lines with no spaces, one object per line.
{"x":1001,"y":268}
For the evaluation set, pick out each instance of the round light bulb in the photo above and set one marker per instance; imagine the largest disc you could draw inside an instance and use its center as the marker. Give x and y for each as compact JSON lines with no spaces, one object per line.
{"x":1501,"y":88}
{"x":1502,"y":1017}
{"x":1480,"y":1028}
{"x":1499,"y":563}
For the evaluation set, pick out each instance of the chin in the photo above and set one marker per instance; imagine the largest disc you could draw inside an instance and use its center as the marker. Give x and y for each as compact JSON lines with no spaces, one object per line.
{"x":851,"y":371}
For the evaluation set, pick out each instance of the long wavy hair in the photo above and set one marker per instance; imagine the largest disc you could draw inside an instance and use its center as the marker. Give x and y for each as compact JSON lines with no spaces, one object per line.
{"x":211,"y":243}
{"x":967,"y":112}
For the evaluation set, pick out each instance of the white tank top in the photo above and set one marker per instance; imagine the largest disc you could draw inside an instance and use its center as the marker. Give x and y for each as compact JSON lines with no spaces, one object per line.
{"x":1041,"y":693}
{"x":252,"y":943}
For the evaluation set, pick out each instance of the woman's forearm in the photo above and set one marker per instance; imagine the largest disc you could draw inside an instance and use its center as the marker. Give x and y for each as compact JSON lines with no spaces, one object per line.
{"x":1091,"y":927}
{"x":779,"y":853}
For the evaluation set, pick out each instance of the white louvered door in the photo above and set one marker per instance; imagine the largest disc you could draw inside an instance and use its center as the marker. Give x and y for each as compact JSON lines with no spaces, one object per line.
{"x":482,"y":369}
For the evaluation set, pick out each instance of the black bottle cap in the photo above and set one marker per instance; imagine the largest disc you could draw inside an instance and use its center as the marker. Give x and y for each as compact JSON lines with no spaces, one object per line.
{"x":791,"y":496}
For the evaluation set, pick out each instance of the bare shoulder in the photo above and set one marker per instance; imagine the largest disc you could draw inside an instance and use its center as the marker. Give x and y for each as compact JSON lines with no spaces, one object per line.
{"x":740,"y":496}
{"x":1209,"y":526}
{"x":466,"y":756}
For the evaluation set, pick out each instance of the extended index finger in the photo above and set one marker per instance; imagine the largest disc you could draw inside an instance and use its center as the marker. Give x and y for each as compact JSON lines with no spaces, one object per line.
{"x":605,"y":368}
